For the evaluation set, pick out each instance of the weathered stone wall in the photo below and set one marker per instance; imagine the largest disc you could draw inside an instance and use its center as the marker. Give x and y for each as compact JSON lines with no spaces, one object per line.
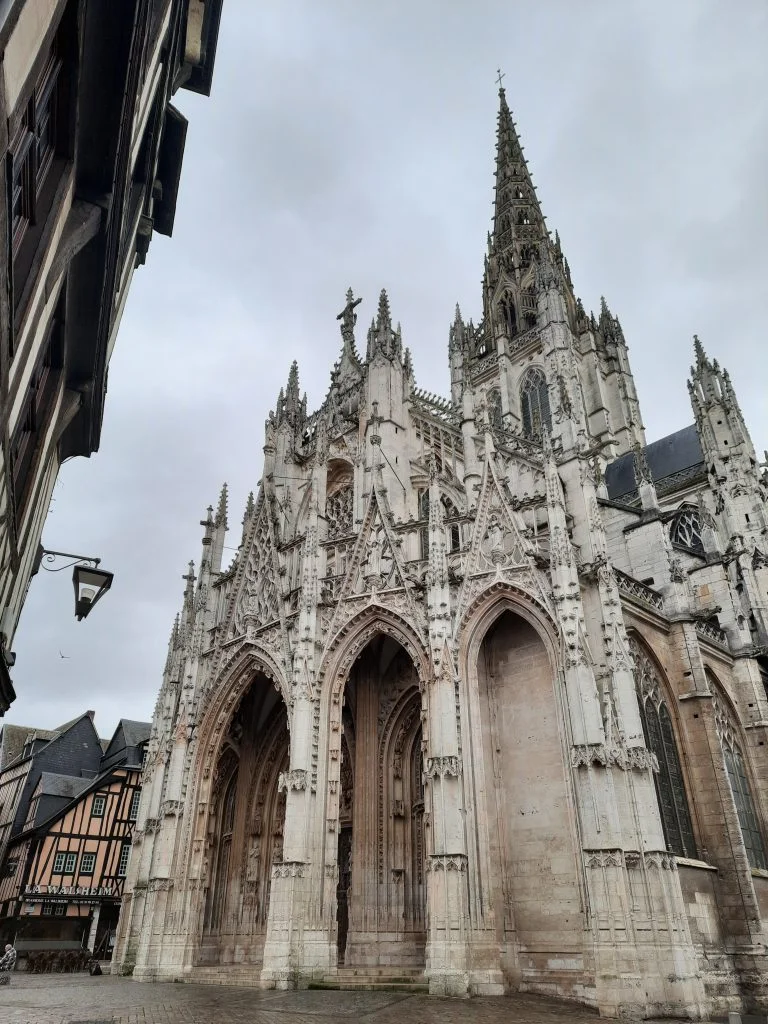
{"x":533,"y":861}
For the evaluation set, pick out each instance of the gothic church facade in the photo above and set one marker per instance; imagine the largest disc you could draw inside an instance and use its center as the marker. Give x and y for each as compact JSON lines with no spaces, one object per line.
{"x":483,"y":693}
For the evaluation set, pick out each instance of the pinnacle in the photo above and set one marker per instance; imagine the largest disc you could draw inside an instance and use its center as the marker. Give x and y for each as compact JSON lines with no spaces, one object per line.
{"x":293,"y":378}
{"x":249,"y":506}
{"x":221,"y":511}
{"x":701,"y":356}
{"x":457,"y":319}
{"x":383,"y":315}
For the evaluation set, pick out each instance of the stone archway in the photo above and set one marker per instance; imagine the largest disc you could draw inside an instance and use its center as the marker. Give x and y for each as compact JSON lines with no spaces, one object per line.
{"x":381,"y":890}
{"x":245,"y":828}
{"x":534,"y":878}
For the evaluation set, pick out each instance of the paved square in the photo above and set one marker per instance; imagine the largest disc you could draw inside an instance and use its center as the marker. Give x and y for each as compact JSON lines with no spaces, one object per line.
{"x":63,"y":999}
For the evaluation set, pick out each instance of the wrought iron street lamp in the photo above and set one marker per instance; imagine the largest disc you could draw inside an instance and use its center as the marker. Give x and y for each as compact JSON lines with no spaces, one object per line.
{"x":90,"y":582}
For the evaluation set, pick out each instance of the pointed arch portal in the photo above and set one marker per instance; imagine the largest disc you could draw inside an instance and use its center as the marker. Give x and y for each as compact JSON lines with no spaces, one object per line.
{"x":245,"y":827}
{"x":381,"y":888}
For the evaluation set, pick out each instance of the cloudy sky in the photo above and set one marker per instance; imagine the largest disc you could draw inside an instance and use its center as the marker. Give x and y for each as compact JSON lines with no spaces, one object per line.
{"x":350,"y":143}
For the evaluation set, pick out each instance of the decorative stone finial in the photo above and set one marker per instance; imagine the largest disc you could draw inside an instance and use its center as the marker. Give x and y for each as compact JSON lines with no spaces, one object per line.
{"x":221,"y":511}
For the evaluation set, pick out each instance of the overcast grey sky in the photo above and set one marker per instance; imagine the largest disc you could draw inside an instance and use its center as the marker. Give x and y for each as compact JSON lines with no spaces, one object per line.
{"x":352,"y":143}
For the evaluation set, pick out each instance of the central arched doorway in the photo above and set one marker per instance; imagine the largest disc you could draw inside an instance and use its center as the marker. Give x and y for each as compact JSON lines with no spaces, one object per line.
{"x":534,"y":879}
{"x":245,"y":829}
{"x":382,"y":841}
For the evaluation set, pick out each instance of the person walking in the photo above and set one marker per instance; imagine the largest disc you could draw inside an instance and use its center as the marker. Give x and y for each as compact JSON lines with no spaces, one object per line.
{"x":7,"y":964}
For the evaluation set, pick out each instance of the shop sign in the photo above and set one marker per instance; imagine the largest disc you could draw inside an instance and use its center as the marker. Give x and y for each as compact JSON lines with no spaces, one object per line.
{"x":46,"y":891}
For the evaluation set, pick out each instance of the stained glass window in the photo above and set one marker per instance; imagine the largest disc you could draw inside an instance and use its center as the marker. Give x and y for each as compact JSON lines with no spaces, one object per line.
{"x":534,"y":401}
{"x":660,"y":739}
{"x":737,"y":777}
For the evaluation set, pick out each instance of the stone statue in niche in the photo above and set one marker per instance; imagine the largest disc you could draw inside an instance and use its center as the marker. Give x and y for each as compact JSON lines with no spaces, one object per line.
{"x":277,"y":852}
{"x":254,"y":860}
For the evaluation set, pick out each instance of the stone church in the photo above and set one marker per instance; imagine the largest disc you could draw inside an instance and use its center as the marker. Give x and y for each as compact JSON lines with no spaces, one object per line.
{"x":481,"y":700}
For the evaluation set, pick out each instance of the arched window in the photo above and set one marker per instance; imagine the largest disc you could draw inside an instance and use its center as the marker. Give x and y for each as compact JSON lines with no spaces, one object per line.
{"x":528,"y":303}
{"x":424,"y":514}
{"x":660,"y":738}
{"x":526,"y":256}
{"x":534,"y":402}
{"x":686,"y":528}
{"x":453,"y":529}
{"x":508,"y":315}
{"x":737,"y":777}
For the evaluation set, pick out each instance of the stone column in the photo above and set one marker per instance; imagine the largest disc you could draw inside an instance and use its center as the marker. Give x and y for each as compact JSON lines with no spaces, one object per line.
{"x":294,"y":951}
{"x":447,"y":953}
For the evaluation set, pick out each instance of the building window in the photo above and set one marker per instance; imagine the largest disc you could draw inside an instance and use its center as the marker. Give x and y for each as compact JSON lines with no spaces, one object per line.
{"x":424,"y":514}
{"x":11,"y":867}
{"x":686,"y":528}
{"x":36,"y":412}
{"x":339,"y":507}
{"x":737,"y":777}
{"x":51,"y":909}
{"x":660,"y":739}
{"x":508,"y":316}
{"x":534,"y":402}
{"x":87,"y":863}
{"x":133,"y":813}
{"x":454,"y":533}
{"x":39,"y":135}
{"x":122,"y":864}
{"x":99,"y":803}
{"x":64,"y":863}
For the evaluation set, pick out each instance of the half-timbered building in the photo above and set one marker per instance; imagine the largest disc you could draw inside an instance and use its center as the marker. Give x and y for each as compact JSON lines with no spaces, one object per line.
{"x":63,"y":872}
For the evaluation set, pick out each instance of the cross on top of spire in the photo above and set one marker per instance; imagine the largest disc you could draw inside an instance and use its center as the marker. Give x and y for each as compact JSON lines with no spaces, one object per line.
{"x":501,"y":76}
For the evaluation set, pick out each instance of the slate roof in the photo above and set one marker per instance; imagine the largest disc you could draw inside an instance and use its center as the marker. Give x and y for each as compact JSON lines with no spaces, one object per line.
{"x":69,"y":786}
{"x":674,"y":461}
{"x":14,"y":738}
{"x":135,"y":732}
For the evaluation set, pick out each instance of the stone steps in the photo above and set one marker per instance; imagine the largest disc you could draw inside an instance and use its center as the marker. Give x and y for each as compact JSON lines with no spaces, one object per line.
{"x":228,"y":974}
{"x":391,"y":979}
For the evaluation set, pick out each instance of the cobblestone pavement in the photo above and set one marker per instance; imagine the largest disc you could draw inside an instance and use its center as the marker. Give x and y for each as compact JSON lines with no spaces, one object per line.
{"x":106,"y":1000}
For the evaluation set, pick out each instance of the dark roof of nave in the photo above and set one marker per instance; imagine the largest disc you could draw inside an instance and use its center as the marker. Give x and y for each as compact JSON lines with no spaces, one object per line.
{"x":674,"y":461}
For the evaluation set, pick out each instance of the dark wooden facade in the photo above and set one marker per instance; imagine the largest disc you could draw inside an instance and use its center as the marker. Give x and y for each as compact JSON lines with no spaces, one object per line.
{"x":93,"y":150}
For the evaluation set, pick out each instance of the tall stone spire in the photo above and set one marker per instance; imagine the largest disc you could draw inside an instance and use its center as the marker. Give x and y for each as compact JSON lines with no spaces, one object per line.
{"x":517,"y":216}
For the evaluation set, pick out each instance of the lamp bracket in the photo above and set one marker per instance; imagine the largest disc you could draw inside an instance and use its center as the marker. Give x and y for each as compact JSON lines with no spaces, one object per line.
{"x":51,"y":556}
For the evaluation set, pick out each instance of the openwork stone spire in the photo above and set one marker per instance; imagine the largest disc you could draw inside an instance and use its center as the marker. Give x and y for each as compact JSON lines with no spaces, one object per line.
{"x":517,"y":215}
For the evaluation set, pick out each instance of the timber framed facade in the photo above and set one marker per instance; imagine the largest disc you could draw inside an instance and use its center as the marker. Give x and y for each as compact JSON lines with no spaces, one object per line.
{"x":92,"y":150}
{"x":62,"y":873}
